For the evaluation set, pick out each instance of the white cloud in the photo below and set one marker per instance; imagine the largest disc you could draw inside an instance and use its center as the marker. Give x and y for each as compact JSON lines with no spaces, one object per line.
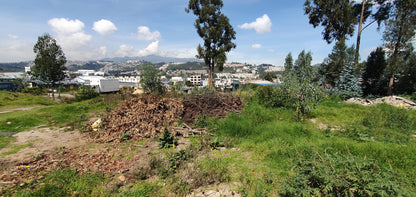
{"x":104,"y":27}
{"x":261,"y":25}
{"x":103,"y":50}
{"x":179,"y":53}
{"x":14,"y":37}
{"x":271,"y":50}
{"x":144,"y":33}
{"x":65,"y":26}
{"x":256,"y":46}
{"x":124,"y":50}
{"x":69,"y":33}
{"x":152,"y":48}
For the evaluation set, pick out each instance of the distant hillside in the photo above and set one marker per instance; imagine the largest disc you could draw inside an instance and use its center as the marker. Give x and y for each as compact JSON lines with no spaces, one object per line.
{"x":116,"y":63}
{"x":14,"y":67}
{"x":151,"y":58}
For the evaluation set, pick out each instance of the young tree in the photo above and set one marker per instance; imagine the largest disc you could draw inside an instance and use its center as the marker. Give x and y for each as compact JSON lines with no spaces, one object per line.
{"x":216,"y":31}
{"x":373,"y":71}
{"x":49,"y":62}
{"x":400,"y":29}
{"x":150,"y":80}
{"x":348,"y":85}
{"x":288,"y":63}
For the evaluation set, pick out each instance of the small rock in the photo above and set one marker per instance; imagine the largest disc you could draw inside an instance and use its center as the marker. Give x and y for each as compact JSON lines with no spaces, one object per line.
{"x":121,"y":178}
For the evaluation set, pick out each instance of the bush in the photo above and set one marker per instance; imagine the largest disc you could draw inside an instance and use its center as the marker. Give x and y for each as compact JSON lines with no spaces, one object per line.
{"x":34,"y":90}
{"x":341,"y":175}
{"x":167,"y":140}
{"x":85,"y":92}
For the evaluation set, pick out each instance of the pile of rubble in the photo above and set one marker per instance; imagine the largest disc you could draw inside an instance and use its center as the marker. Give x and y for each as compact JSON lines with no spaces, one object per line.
{"x":391,"y":100}
{"x":147,"y":116}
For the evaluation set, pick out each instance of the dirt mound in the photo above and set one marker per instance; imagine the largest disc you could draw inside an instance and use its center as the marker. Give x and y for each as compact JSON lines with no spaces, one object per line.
{"x":210,"y":105}
{"x":147,"y":116}
{"x":391,"y":100}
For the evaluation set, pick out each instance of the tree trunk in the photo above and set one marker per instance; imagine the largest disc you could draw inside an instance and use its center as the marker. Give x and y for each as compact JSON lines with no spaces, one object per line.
{"x":209,"y":76}
{"x":389,"y":91}
{"x":357,"y":49}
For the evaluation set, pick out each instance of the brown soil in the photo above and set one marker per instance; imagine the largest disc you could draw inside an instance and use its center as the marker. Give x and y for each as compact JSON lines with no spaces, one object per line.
{"x":41,"y":141}
{"x":19,"y":109}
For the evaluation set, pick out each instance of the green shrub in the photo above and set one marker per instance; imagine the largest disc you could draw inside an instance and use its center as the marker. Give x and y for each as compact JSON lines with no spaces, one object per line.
{"x":85,"y":92}
{"x":34,"y":90}
{"x":167,"y":140}
{"x":324,"y":174}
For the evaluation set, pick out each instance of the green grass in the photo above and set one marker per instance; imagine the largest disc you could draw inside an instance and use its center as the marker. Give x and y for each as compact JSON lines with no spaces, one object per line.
{"x":13,"y":100}
{"x":16,"y":148}
{"x":52,"y":115}
{"x":381,"y":133}
{"x":65,"y":182}
{"x":5,"y":141}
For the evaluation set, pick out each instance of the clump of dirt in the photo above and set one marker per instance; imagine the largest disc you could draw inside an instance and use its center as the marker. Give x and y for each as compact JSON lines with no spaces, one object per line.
{"x":391,"y":100}
{"x":148,"y":115}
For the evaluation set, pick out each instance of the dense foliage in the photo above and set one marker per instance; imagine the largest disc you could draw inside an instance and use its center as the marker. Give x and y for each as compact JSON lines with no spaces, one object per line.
{"x":398,"y":36}
{"x":49,"y":62}
{"x":85,"y":92}
{"x":150,"y":79}
{"x":298,"y":90}
{"x":326,"y":174}
{"x":373,"y":72}
{"x":348,"y":85}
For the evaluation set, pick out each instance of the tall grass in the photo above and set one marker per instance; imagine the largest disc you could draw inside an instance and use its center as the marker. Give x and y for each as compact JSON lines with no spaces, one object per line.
{"x":381,"y":133}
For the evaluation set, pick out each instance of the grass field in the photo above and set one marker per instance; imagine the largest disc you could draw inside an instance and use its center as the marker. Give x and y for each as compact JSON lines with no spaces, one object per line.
{"x":340,"y":150}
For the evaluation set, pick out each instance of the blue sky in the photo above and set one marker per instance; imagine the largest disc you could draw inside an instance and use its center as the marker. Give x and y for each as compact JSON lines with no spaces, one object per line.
{"x":267,"y":30}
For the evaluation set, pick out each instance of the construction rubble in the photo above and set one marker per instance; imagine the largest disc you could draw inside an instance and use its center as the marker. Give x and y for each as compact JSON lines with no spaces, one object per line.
{"x":391,"y":100}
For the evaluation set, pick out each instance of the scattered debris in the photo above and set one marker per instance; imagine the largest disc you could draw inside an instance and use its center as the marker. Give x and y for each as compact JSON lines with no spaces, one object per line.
{"x":391,"y":100}
{"x":146,"y":116}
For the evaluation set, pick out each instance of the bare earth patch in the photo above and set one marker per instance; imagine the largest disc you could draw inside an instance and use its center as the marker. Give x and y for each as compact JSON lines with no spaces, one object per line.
{"x":43,"y":140}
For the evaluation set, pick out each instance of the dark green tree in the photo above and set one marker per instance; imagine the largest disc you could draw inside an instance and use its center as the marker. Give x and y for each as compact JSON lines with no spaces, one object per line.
{"x":150,"y":79}
{"x":373,"y":72}
{"x":49,"y":62}
{"x":270,"y":76}
{"x":398,"y":34}
{"x":216,"y":31}
{"x":334,"y":64}
{"x":407,"y":80}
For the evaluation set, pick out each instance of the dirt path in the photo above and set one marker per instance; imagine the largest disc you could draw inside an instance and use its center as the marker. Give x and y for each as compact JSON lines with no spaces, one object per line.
{"x":41,"y":141}
{"x":18,"y":109}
